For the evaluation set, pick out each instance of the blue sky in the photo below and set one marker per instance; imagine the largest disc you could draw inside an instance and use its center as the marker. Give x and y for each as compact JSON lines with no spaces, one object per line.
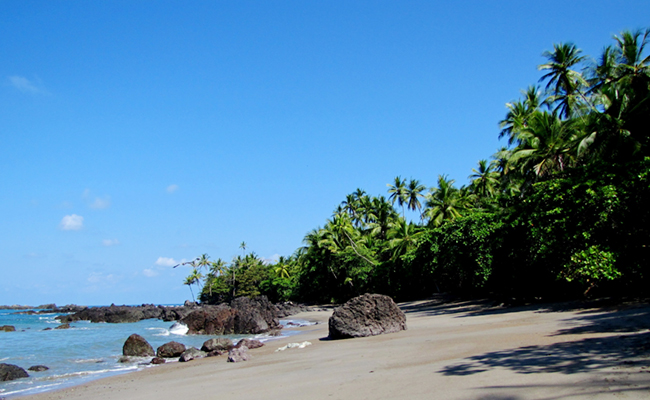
{"x":135,"y":134}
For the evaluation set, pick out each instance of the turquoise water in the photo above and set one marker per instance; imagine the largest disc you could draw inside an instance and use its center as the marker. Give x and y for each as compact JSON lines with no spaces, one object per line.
{"x":84,"y":352}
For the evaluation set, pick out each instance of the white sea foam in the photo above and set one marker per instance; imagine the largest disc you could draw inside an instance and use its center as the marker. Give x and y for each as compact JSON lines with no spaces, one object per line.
{"x":178,"y":328}
{"x":88,"y":360}
{"x":35,"y":389}
{"x":160,"y":331}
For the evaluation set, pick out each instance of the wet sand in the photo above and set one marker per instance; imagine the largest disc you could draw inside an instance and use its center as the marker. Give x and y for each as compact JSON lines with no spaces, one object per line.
{"x":453,"y":350}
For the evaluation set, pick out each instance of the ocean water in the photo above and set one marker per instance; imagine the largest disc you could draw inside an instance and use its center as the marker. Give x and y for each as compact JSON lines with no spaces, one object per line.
{"x":84,"y":352}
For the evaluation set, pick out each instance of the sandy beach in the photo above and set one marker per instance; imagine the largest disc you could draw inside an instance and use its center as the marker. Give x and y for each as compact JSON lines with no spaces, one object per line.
{"x":454,"y":350}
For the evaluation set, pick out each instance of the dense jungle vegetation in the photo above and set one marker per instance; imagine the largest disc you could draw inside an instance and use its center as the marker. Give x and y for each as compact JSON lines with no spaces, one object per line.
{"x":560,"y":212}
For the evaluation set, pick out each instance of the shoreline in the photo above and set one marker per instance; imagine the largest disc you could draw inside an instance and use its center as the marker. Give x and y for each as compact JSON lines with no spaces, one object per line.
{"x":456,"y":350}
{"x":76,"y":366}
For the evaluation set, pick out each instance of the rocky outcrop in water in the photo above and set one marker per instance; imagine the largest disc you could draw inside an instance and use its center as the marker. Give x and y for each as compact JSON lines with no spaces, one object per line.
{"x":9,"y":372}
{"x":242,"y":315}
{"x":7,"y":328}
{"x":38,"y":368}
{"x":137,"y":346}
{"x":367,"y":315}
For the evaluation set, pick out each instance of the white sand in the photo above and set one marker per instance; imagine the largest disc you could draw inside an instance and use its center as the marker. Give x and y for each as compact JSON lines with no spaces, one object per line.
{"x":450,"y":351}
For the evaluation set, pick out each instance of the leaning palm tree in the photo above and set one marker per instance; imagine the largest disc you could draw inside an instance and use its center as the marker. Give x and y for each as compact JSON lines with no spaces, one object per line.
{"x":193,"y":278}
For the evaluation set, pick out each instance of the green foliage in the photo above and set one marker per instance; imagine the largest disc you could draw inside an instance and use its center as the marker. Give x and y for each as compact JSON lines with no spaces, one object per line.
{"x":590,"y":266}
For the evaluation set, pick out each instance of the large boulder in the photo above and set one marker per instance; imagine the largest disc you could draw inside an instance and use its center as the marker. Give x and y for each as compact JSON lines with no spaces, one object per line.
{"x":9,"y":372}
{"x":367,"y":315}
{"x":219,"y":344}
{"x":170,"y":349}
{"x":137,"y":346}
{"x":7,"y":328}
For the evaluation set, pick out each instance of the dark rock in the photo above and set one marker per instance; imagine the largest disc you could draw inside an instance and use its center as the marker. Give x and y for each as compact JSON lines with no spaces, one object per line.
{"x":47,"y":329}
{"x":9,"y":372}
{"x":243,"y":315}
{"x":50,"y":306}
{"x":158,"y":360}
{"x":63,"y":326}
{"x":211,"y":320}
{"x":137,"y":346}
{"x":124,"y":359}
{"x":190,"y":304}
{"x":7,"y":328}
{"x":367,"y":315}
{"x":38,"y":368}
{"x":171,"y":349}
{"x":238,"y":354}
{"x":256,"y":315}
{"x":250,"y":343}
{"x":219,"y":344}
{"x":191,"y":354}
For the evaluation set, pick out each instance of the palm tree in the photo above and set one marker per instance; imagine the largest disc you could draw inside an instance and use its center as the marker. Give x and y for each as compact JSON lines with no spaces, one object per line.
{"x":398,"y":192}
{"x":444,"y":203}
{"x":518,"y":114}
{"x":564,"y":84}
{"x":548,"y":145}
{"x":217,"y":268}
{"x":403,"y":237}
{"x":281,"y":268}
{"x":484,"y":180}
{"x":193,"y":278}
{"x":413,"y":193}
{"x":203,"y":261}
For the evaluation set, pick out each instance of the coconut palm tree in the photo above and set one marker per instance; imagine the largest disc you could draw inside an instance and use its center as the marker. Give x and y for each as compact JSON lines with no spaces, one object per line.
{"x":518,"y":114}
{"x":413,"y":193}
{"x":398,"y":192}
{"x":403,"y":237}
{"x":193,"y":278}
{"x":564,"y":85}
{"x":443,"y":203}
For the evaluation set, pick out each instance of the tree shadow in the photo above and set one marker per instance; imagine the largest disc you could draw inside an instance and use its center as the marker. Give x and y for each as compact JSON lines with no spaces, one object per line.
{"x":623,"y":318}
{"x":584,"y":355}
